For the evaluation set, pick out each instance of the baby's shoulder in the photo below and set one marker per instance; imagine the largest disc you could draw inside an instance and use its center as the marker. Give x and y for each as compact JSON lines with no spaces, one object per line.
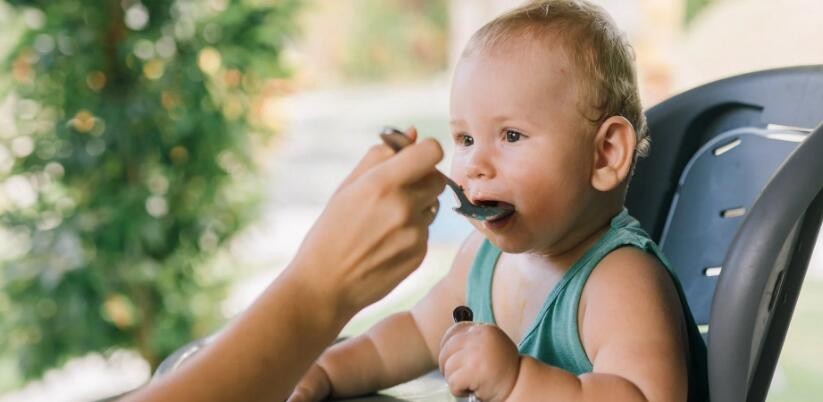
{"x":466,"y":254}
{"x":629,"y":285}
{"x":633,"y":322}
{"x":628,"y":269}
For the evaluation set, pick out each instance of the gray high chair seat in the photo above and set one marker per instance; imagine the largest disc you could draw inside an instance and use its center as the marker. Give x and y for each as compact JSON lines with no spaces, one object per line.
{"x":733,"y":193}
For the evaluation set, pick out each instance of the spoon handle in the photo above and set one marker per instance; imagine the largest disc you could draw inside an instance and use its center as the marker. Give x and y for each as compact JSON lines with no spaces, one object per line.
{"x":464,"y":313}
{"x":395,"y":138}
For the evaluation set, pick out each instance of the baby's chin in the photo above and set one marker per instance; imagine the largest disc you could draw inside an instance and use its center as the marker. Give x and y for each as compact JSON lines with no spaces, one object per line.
{"x":511,"y":242}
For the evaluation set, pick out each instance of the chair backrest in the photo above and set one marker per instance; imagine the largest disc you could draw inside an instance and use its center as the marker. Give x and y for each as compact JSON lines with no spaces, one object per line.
{"x":714,"y":150}
{"x":716,"y":189}
{"x":764,"y":269}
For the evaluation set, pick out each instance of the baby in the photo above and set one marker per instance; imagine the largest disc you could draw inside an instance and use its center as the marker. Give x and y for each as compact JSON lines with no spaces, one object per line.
{"x":572,"y":300}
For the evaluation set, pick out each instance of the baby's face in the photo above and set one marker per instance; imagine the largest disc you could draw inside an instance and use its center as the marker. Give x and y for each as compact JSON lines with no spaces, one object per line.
{"x":520,"y":138}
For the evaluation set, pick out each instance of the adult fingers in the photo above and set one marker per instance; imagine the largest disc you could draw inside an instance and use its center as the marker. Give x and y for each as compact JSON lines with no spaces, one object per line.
{"x":411,"y":163}
{"x":411,"y":243}
{"x":426,"y":190}
{"x":376,"y":154}
{"x":430,"y":212}
{"x":411,"y":132}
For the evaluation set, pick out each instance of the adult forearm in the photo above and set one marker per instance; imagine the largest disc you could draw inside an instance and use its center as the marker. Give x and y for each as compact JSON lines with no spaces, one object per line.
{"x":264,"y":352}
{"x":540,"y":382}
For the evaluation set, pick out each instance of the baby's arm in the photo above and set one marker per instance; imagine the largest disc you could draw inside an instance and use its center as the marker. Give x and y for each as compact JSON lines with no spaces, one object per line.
{"x":631,"y":326}
{"x":399,"y":348}
{"x":633,"y":329}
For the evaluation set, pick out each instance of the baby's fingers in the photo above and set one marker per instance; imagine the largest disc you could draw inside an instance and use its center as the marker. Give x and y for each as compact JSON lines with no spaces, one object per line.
{"x":297,"y":396}
{"x":460,"y":381}
{"x":455,"y":331}
{"x":453,"y":342}
{"x":314,"y":386}
{"x":302,"y":394}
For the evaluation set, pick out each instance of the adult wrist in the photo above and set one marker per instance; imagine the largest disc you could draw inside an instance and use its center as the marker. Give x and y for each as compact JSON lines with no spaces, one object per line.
{"x":324,"y":292}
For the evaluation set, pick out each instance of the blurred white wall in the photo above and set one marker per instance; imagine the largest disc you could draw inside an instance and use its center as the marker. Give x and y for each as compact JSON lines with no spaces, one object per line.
{"x":737,"y":36}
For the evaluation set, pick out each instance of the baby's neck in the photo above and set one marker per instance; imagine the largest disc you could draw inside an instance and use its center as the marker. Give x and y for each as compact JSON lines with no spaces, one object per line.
{"x":582,"y":238}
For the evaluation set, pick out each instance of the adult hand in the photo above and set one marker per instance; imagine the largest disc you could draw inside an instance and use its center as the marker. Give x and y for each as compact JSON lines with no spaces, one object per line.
{"x":479,"y":358}
{"x":371,"y":235}
{"x":375,"y":229}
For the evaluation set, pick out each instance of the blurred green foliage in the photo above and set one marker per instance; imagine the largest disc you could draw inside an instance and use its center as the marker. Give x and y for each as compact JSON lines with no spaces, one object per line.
{"x":129,"y":165}
{"x":693,"y":9}
{"x":396,"y":38}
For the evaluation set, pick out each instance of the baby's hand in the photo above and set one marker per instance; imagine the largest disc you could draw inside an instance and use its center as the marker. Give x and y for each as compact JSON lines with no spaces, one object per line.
{"x":479,"y":358}
{"x":314,"y":386}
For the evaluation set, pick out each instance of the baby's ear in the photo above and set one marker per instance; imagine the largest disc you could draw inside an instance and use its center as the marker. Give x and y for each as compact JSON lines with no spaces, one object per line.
{"x":614,"y":145}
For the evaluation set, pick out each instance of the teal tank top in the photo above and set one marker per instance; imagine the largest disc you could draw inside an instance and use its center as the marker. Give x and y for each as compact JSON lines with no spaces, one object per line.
{"x":553,"y":337}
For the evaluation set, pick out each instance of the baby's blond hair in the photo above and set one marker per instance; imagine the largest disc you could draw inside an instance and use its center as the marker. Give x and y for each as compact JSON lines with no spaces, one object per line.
{"x":598,"y":49}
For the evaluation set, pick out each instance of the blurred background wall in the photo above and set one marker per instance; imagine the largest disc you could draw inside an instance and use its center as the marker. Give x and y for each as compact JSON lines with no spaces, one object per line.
{"x":150,"y":189}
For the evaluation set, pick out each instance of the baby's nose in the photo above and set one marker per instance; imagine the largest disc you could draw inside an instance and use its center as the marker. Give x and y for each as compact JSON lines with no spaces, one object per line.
{"x":479,"y":165}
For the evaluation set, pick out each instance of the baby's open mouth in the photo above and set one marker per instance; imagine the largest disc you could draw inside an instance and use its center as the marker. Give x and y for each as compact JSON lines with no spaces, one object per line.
{"x":506,"y":208}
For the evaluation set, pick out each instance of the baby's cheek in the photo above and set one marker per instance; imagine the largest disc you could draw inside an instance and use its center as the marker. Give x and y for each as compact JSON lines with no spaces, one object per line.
{"x":543,"y":206}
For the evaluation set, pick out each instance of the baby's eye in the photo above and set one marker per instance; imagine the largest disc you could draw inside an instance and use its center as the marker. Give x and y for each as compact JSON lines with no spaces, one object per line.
{"x":464,"y":140}
{"x":512,"y":136}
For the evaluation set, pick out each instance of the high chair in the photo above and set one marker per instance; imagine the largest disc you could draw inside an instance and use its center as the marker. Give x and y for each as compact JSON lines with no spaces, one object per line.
{"x":733,"y":193}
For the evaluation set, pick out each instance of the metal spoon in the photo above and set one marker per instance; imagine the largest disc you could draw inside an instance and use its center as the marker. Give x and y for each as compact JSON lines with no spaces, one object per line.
{"x":397,"y":141}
